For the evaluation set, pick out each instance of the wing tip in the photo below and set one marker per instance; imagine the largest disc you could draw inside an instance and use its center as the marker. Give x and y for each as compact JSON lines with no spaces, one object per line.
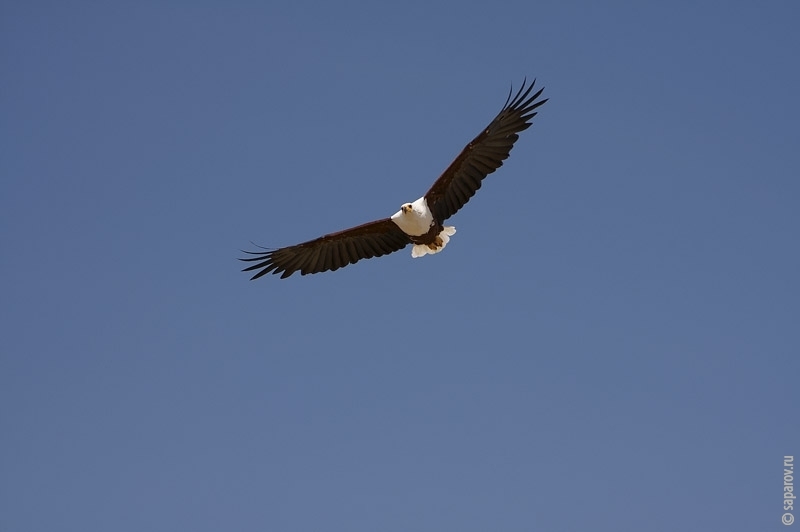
{"x":521,"y":100}
{"x":264,"y":261}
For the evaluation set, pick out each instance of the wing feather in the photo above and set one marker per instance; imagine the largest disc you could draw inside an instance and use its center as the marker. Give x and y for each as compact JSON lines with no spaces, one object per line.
{"x":359,"y":248}
{"x":352,"y":252}
{"x":330,"y":252}
{"x":313,"y":259}
{"x":336,"y":260}
{"x":485,"y":154}
{"x":294,"y":263}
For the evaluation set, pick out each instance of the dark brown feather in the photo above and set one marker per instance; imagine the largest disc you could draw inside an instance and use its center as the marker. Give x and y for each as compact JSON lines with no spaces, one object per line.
{"x":330,"y":252}
{"x":483,"y":155}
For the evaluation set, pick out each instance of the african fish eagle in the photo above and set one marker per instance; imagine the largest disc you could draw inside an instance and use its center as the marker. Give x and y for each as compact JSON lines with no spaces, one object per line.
{"x":420,"y":222}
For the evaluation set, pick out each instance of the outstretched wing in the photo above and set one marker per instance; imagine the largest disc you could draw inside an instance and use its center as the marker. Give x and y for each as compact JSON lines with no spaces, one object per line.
{"x":330,"y":252}
{"x":483,"y":155}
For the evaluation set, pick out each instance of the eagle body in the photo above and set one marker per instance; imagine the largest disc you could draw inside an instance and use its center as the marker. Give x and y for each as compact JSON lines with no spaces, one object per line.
{"x":420,"y":223}
{"x":425,"y":233}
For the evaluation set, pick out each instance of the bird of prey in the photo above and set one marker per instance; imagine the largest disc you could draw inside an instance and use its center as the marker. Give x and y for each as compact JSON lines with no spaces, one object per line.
{"x":421,"y":222}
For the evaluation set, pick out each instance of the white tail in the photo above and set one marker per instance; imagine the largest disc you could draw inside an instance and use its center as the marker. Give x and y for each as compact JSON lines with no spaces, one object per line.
{"x":420,"y":250}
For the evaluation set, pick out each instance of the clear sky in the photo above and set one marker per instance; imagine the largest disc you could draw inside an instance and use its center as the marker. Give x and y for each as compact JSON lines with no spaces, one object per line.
{"x":610,"y":341}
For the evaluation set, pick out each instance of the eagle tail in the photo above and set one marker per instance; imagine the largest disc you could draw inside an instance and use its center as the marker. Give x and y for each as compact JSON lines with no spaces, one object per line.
{"x":420,"y":250}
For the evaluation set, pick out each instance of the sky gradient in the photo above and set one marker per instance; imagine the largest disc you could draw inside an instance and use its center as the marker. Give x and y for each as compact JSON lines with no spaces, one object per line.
{"x":610,"y":341}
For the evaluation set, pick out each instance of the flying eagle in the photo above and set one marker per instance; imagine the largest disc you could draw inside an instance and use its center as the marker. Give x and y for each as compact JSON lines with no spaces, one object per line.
{"x":420,"y":222}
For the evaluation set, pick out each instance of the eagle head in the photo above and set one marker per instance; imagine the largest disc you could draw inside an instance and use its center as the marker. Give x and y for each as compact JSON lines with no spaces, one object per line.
{"x":406,"y":208}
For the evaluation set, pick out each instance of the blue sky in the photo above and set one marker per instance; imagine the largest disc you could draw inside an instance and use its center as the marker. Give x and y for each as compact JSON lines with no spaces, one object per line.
{"x":610,"y":342}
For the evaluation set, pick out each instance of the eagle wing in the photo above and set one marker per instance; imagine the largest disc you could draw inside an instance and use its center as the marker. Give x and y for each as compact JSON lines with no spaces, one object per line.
{"x":330,"y":252}
{"x":483,"y":155}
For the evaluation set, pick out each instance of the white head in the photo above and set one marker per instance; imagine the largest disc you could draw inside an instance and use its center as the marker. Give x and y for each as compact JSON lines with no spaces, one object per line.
{"x":414,"y":218}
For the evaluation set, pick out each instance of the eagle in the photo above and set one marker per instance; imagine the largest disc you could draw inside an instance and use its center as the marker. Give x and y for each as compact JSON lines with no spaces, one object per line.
{"x":421,"y":222}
